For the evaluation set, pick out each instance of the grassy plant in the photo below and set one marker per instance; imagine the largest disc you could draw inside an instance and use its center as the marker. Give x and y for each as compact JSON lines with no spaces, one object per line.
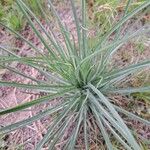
{"x":1,"y":12}
{"x":14,"y":18}
{"x":82,"y":77}
{"x":11,"y":15}
{"x":143,"y":96}
{"x":142,"y":78}
{"x":105,"y":12}
{"x":7,"y":2}
{"x":34,"y":6}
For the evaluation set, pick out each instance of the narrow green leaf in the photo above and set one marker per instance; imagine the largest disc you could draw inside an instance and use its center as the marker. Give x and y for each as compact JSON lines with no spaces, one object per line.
{"x":85,"y":118}
{"x":125,"y":71}
{"x":102,"y":128}
{"x":114,"y":124}
{"x":122,"y":21}
{"x":131,"y":115}
{"x":80,"y":119}
{"x":120,"y":121}
{"x":76,"y":130}
{"x":21,"y":74}
{"x":6,"y":59}
{"x":130,"y":90}
{"x":39,"y":87}
{"x":35,"y":30}
{"x":22,"y":38}
{"x":57,"y":47}
{"x":116,"y":44}
{"x":78,"y":27}
{"x":84,"y":30}
{"x":8,"y":51}
{"x":117,"y":35}
{"x":109,"y":117}
{"x":38,"y":64}
{"x":20,"y":124}
{"x":34,"y":102}
{"x":58,"y":120}
{"x":65,"y":33}
{"x":118,"y":137}
{"x":61,"y":131}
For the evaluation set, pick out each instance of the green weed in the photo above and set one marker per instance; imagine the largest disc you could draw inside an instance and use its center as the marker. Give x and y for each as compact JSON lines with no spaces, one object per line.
{"x":13,"y":17}
{"x":34,"y":6}
{"x":1,"y":12}
{"x":105,"y":12}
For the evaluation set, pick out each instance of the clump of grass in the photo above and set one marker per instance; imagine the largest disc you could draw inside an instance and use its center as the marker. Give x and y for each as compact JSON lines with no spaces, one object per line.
{"x":14,"y":18}
{"x":1,"y":12}
{"x":11,"y":15}
{"x":79,"y":74}
{"x":106,"y":12}
{"x":142,"y":79}
{"x":34,"y":5}
{"x":7,"y":2}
